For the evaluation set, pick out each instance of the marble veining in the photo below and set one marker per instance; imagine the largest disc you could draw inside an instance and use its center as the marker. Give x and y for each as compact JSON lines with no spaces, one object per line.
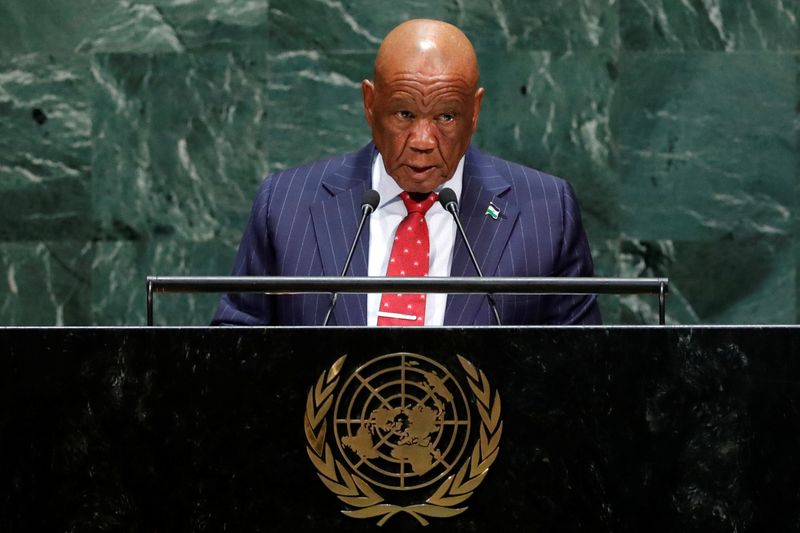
{"x":135,"y":133}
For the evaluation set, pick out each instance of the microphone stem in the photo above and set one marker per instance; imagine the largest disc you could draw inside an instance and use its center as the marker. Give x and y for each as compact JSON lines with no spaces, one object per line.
{"x":452,"y":208}
{"x":463,"y":234}
{"x":366,"y":211}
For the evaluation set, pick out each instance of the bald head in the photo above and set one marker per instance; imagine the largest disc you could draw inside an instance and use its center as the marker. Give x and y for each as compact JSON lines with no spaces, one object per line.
{"x":430,"y":47}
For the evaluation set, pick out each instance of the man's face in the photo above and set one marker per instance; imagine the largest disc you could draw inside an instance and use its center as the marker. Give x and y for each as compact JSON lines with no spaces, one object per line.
{"x":421,"y":125}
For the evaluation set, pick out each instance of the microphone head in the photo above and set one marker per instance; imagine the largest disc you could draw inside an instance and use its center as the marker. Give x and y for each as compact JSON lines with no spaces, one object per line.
{"x":447,"y":197}
{"x":370,"y":199}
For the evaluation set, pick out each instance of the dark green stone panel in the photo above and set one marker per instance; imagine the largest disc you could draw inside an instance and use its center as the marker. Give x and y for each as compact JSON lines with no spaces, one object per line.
{"x":622,"y":258}
{"x":315,"y":106}
{"x":742,"y":280}
{"x":179,"y":144}
{"x":796,"y":248}
{"x":707,"y":144}
{"x":553,"y":114}
{"x":45,"y":148}
{"x":147,"y":126}
{"x":605,"y":255}
{"x":325,"y":26}
{"x":53,"y":27}
{"x":130,"y":27}
{"x":120,"y":269}
{"x":796,"y":203}
{"x":709,"y":25}
{"x":124,"y":26}
{"x":561,"y":25}
{"x":45,"y":283}
{"x":650,"y":259}
{"x":214,"y":25}
{"x":729,"y":281}
{"x":553,"y":25}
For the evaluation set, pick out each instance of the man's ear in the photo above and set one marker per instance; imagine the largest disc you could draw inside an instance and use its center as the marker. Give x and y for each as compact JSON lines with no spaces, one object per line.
{"x":368,"y":92}
{"x":477,"y":108}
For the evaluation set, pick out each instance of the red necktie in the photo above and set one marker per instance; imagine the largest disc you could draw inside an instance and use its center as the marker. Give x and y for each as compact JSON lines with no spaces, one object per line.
{"x":409,"y":258}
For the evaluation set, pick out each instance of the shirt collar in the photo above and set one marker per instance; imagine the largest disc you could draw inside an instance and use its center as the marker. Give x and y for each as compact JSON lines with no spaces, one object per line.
{"x":390,"y":191}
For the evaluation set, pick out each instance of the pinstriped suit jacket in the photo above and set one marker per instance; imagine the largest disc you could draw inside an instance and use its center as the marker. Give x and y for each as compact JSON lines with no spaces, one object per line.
{"x":305,"y":218}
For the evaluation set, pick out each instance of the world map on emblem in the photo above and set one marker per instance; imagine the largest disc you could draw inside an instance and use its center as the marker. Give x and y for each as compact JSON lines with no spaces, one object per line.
{"x":402,"y":421}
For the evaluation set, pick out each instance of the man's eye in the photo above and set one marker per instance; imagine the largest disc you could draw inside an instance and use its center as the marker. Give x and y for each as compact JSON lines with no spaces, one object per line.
{"x":405,"y":114}
{"x":447,"y":117}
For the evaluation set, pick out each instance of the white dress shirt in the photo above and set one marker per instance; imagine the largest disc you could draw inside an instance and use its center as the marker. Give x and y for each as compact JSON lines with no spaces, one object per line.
{"x":383,"y":224}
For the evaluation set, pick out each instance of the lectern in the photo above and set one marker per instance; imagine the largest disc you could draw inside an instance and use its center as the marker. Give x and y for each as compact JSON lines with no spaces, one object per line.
{"x":542,"y":429}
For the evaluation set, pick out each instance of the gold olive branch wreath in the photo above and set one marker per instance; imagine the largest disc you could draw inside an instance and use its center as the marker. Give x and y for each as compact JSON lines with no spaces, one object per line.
{"x":355,"y":492}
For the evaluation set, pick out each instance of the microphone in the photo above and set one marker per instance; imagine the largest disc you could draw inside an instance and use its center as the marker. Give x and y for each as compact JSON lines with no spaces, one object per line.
{"x":369,"y":201}
{"x":448,"y":199}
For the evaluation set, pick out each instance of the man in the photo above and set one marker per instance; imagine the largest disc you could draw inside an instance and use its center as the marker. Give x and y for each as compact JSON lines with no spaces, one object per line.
{"x":423,"y":108}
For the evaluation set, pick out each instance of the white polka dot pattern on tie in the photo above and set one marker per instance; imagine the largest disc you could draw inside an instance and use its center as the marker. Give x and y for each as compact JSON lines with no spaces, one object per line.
{"x":409,"y":258}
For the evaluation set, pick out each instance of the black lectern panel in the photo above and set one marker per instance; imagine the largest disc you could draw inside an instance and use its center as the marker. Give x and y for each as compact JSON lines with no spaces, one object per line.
{"x":596,"y":429}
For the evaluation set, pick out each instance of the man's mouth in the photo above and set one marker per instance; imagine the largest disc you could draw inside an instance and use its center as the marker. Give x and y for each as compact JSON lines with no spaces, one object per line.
{"x":422,"y":170}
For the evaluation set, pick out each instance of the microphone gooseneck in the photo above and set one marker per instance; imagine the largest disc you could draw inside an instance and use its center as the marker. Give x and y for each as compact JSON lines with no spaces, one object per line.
{"x":449,"y":200}
{"x":369,"y":202}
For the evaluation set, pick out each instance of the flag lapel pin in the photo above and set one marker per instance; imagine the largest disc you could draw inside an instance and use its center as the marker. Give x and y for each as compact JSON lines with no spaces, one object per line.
{"x":492,"y":211}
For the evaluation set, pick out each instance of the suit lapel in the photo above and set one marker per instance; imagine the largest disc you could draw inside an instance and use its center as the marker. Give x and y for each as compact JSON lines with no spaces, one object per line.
{"x":336,"y":219}
{"x":482,"y":185}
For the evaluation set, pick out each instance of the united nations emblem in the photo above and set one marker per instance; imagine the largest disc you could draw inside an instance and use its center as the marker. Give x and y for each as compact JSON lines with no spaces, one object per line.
{"x":402,"y":424}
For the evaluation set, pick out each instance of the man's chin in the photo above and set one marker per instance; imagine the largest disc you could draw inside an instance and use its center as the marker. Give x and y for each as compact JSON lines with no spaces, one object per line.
{"x":423,"y":182}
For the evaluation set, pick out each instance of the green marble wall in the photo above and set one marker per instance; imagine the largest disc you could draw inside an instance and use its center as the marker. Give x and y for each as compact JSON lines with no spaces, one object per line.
{"x":134,"y":134}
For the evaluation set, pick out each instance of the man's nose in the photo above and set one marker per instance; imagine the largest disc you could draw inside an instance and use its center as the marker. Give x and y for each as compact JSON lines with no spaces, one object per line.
{"x":423,"y":138}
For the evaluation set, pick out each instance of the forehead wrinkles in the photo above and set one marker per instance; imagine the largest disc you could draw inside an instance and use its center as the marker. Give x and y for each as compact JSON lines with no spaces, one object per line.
{"x":428,"y":89}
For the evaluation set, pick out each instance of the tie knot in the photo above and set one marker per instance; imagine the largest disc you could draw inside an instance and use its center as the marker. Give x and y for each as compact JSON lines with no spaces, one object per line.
{"x":418,"y":202}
